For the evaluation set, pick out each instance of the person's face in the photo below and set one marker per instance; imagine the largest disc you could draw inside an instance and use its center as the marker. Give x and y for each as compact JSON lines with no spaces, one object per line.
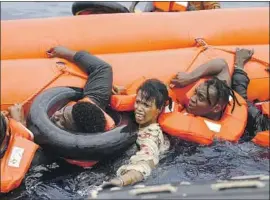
{"x":63,"y":118}
{"x":146,"y":112}
{"x":199,"y":105}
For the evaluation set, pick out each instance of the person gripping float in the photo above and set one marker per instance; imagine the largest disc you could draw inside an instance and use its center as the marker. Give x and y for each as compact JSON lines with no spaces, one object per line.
{"x":18,"y":149}
{"x":211,"y":97}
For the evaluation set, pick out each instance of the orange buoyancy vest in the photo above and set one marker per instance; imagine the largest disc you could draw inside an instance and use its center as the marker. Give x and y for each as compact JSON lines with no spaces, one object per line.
{"x":197,"y":129}
{"x":262,"y":138}
{"x":171,"y":6}
{"x":110,"y":124}
{"x":18,"y":157}
{"x":186,"y":126}
{"x":201,"y":130}
{"x":126,"y":101}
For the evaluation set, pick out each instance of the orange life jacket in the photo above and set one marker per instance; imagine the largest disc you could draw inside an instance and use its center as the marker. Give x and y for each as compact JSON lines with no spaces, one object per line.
{"x":109,"y":125}
{"x":170,"y":6}
{"x":186,"y":126}
{"x":18,"y":157}
{"x":201,"y":130}
{"x":125,"y":102}
{"x":262,"y":138}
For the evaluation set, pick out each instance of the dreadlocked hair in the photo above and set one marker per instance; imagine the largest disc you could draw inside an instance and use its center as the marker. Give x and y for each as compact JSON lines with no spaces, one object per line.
{"x":156,"y":90}
{"x":223,"y":92}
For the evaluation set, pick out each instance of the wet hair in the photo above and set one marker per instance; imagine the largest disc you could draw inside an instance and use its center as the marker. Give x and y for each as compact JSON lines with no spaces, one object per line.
{"x":3,"y":128}
{"x":223,"y":92}
{"x":88,"y":117}
{"x":154,"y":89}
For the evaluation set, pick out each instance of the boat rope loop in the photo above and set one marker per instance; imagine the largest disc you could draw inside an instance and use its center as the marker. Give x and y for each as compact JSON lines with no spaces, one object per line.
{"x":200,"y":42}
{"x":63,"y":70}
{"x":252,"y":59}
{"x":202,"y":46}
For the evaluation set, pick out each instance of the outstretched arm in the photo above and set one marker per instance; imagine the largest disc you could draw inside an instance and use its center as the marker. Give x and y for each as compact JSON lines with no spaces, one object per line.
{"x":152,"y":144}
{"x":216,"y":67}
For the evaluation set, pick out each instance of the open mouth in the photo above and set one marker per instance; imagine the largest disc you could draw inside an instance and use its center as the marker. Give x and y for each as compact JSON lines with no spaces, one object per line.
{"x":139,"y":116}
{"x":190,"y":105}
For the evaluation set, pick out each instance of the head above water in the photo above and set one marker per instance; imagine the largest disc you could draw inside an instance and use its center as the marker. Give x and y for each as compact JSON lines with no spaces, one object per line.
{"x":210,"y":99}
{"x":151,"y":98}
{"x":83,"y":117}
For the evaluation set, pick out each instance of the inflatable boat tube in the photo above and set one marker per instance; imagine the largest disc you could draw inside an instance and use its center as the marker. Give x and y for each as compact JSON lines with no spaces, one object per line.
{"x":97,"y":7}
{"x":22,"y":86}
{"x":79,"y":146}
{"x":121,"y":33}
{"x":249,"y":187}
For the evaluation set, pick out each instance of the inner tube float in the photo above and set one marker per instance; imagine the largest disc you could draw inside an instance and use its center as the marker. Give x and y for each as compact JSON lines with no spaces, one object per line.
{"x":97,"y":7}
{"x":79,"y":146}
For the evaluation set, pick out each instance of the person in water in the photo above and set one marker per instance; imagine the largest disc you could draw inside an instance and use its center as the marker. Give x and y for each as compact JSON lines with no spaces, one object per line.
{"x":88,"y":114}
{"x":212,"y":96}
{"x":17,"y":147}
{"x":151,"y":98}
{"x":18,"y":152}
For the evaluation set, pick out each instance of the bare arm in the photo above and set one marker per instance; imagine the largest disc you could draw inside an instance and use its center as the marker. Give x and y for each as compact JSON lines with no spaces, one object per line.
{"x":216,"y":67}
{"x":152,"y":144}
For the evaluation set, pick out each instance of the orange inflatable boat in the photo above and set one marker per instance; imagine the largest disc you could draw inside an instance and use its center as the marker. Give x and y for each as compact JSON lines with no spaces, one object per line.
{"x":52,"y":72}
{"x":144,"y":50}
{"x":23,"y":79}
{"x":119,"y":33}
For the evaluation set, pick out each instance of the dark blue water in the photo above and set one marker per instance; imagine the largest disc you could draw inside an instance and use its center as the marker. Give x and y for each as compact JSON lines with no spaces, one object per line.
{"x":185,"y":162}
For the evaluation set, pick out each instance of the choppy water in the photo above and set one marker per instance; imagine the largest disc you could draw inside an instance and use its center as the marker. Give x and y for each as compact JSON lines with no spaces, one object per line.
{"x":185,"y":162}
